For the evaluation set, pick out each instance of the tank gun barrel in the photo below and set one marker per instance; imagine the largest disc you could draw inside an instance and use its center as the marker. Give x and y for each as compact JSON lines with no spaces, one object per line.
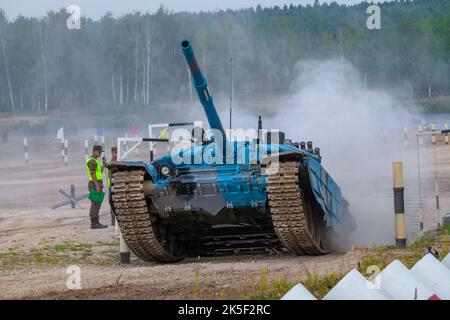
{"x":201,"y":87}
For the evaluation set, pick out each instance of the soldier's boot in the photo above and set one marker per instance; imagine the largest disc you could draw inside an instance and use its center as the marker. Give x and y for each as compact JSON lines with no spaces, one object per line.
{"x":95,"y":224}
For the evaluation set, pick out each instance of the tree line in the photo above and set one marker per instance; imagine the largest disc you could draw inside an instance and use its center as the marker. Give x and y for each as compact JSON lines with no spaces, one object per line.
{"x":135,"y":59}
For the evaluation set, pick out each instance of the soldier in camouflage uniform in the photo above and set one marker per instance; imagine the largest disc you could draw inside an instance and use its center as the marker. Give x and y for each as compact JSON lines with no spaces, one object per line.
{"x":94,"y":170}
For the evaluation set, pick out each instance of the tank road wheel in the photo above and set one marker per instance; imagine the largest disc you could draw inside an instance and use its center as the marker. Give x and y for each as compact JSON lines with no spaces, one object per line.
{"x":300,"y":229}
{"x":138,"y":229}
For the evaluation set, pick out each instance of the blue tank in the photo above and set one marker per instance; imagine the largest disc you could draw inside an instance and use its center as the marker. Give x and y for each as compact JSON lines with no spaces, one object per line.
{"x":222,"y":197}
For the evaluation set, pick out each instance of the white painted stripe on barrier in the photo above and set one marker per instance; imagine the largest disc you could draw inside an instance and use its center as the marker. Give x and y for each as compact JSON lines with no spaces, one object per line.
{"x":298,"y":292}
{"x":355,"y":287}
{"x":397,"y":280}
{"x":446,"y":261}
{"x":434,"y":274}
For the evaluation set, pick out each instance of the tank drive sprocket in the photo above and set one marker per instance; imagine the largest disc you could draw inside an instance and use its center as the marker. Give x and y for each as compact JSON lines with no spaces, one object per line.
{"x":298,"y":228}
{"x":135,"y":220}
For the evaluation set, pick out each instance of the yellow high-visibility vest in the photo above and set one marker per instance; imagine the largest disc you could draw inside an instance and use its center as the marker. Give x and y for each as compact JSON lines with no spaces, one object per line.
{"x":98,"y":169}
{"x":108,"y":178}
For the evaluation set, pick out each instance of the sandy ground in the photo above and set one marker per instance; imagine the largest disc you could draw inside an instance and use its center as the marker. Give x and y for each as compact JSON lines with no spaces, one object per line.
{"x":27,"y":224}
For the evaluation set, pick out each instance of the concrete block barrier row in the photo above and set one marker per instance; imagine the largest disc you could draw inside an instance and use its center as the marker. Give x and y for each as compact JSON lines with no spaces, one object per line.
{"x":428,"y":279}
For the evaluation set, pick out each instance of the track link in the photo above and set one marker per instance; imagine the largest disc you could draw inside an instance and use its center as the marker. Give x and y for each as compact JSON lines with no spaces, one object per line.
{"x":289,"y":210}
{"x":134,"y":218}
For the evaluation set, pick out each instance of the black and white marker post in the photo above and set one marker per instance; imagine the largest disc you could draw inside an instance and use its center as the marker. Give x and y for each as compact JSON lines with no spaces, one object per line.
{"x":399,"y":205}
{"x":86,"y":150}
{"x":66,"y":156}
{"x":62,"y":148}
{"x":446,"y":134}
{"x":25,"y":150}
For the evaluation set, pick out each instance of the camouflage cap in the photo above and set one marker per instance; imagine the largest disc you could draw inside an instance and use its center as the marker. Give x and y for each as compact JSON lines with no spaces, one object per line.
{"x":97,"y":147}
{"x":114,"y":149}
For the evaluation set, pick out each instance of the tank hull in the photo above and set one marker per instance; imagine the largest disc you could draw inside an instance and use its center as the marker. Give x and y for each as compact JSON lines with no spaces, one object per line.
{"x":218,"y":210}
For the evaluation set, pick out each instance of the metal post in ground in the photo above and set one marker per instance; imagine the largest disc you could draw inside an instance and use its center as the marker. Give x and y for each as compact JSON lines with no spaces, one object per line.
{"x":419,"y":184}
{"x":25,"y":149}
{"x":66,"y":156}
{"x":446,"y":134}
{"x":116,"y":229}
{"x":72,"y":194}
{"x":124,"y":251}
{"x":436,"y":187}
{"x":433,"y":128}
{"x":102,"y":143}
{"x":405,"y":135}
{"x":399,"y":205}
{"x":420,"y":137}
{"x":62,"y":148}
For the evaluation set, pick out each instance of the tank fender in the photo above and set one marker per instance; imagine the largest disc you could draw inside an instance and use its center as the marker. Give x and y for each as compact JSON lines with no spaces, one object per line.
{"x":133,"y":165}
{"x":325,"y":190}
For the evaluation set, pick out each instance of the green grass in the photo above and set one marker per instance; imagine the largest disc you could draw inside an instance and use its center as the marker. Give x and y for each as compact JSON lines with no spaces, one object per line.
{"x":377,"y":258}
{"x":445,"y":230}
{"x":320,"y":285}
{"x":196,"y":284}
{"x":63,"y":253}
{"x":263,"y":289}
{"x":382,"y":256}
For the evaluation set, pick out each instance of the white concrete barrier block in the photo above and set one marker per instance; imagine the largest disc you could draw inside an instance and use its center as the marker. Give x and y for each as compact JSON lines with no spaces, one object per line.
{"x":397,"y":280}
{"x":434,"y":274}
{"x":446,"y":261}
{"x":355,"y":287}
{"x":298,"y":292}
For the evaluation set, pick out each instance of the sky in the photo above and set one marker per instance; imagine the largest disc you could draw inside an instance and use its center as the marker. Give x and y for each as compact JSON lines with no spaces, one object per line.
{"x":97,"y":8}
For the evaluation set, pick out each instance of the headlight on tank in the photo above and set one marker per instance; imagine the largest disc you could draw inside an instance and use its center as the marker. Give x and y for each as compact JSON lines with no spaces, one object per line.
{"x":165,"y":171}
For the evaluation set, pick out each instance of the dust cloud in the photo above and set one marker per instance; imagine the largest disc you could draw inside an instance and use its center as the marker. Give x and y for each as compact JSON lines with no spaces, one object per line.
{"x":360,"y":133}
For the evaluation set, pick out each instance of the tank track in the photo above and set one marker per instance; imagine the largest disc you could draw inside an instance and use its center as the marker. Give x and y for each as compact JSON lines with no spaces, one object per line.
{"x":289,"y":210}
{"x":134,"y":218}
